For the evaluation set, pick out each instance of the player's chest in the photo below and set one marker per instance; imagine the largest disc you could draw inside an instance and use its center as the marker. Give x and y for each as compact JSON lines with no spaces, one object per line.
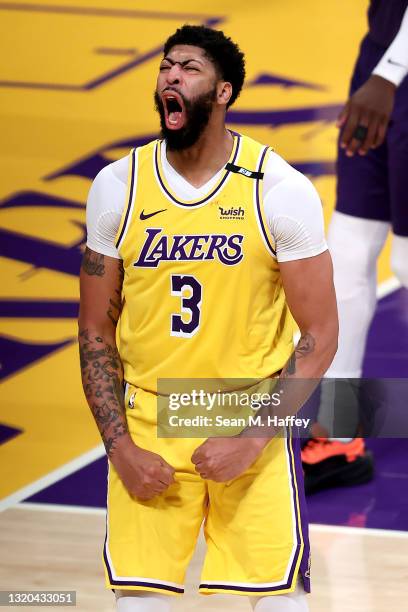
{"x":219,"y":231}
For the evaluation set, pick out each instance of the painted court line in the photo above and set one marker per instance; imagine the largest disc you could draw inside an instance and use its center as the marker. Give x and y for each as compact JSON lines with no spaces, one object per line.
{"x":98,"y":11}
{"x":387,"y":287}
{"x":368,"y":531}
{"x":60,"y":508}
{"x":314,"y":527}
{"x":52,"y":477}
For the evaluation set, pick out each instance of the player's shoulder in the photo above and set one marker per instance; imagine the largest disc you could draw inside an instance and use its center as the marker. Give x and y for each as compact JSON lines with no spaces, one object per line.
{"x":108,"y":188}
{"x":116,"y":171}
{"x":276,"y":169}
{"x":280,"y":174}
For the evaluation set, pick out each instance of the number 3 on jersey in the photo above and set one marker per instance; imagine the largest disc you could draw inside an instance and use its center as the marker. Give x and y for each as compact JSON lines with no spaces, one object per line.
{"x":190,"y":305}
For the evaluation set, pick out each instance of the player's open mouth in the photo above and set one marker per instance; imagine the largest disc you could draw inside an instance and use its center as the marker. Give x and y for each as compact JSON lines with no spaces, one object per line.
{"x":174,"y":110}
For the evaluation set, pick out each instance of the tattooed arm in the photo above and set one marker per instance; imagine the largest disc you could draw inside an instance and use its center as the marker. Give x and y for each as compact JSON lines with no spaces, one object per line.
{"x":101,"y":368}
{"x":310,"y":294}
{"x":309,"y":290}
{"x":144,"y":474}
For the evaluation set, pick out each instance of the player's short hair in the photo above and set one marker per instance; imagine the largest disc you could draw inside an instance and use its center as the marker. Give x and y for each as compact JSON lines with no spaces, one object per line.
{"x":221,"y":50}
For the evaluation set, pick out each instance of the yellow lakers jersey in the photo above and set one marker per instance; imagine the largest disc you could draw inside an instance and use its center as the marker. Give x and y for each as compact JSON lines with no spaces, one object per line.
{"x":203,"y":296}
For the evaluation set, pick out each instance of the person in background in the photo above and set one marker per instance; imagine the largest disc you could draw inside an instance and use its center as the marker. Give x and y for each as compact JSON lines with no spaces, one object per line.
{"x":372,"y":199}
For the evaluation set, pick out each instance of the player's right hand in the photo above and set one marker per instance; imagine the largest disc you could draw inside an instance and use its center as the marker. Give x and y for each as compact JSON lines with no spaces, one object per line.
{"x":370,"y":107}
{"x":144,"y":474}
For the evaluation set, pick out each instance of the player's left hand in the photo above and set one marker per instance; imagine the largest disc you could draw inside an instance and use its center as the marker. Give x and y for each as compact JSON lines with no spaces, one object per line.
{"x":223,"y":459}
{"x":368,"y":109}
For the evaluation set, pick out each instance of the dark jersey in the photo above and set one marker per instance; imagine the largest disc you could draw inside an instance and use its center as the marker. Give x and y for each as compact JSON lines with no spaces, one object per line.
{"x":384,"y":19}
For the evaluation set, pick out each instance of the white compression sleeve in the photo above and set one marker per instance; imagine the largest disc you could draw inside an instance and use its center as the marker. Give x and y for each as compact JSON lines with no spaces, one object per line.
{"x":142,"y":601}
{"x":292,"y":207}
{"x":294,"y":215}
{"x":393,"y":65}
{"x":104,"y":208}
{"x":292,"y":602}
{"x":355,"y":245}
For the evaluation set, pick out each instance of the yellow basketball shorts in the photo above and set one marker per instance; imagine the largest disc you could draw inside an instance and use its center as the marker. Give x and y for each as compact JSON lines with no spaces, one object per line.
{"x":255,"y":525}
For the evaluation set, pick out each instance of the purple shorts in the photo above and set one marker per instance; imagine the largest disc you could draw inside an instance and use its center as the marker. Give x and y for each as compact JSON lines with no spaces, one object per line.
{"x":376,"y":186}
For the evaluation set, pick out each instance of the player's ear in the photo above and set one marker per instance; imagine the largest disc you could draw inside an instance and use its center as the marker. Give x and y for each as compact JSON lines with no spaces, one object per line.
{"x":224,"y":92}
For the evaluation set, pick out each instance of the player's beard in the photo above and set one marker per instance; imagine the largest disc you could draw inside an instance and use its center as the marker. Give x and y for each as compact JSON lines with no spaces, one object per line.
{"x":198,"y":112}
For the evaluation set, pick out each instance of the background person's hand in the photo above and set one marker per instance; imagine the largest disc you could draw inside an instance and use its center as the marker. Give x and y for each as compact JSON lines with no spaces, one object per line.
{"x":371,"y":107}
{"x":144,"y":474}
{"x":223,"y":459}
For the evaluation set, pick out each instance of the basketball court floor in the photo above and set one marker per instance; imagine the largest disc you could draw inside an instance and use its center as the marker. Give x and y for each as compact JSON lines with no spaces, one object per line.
{"x":76,"y":93}
{"x":59,"y":549}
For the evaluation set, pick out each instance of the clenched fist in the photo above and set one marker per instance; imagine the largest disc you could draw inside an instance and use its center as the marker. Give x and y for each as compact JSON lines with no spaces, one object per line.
{"x":223,"y":459}
{"x":144,"y":474}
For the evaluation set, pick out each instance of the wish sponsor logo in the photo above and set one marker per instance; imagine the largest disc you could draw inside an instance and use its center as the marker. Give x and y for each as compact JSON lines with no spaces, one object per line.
{"x":231,"y":213}
{"x":186,"y":247}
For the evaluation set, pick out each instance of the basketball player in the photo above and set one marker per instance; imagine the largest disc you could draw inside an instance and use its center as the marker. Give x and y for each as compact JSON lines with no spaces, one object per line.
{"x":199,"y":244}
{"x":372,"y":199}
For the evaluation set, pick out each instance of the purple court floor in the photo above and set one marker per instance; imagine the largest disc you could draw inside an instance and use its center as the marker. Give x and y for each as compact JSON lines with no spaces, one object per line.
{"x":382,"y":504}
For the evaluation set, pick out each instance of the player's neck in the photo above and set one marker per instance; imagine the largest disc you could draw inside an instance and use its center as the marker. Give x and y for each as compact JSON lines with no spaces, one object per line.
{"x":206,"y":157}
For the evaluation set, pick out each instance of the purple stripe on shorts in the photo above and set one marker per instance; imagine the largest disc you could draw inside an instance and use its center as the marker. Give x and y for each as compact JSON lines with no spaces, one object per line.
{"x":224,"y":178}
{"x":243,"y":589}
{"x":305,"y":561}
{"x":295,"y":480}
{"x":294,"y":497}
{"x":258,"y":204}
{"x":129,"y":204}
{"x":141,"y":583}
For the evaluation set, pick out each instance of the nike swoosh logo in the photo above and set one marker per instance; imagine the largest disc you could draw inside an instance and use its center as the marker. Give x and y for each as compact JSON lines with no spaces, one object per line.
{"x":390,"y":61}
{"x":144,"y":216}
